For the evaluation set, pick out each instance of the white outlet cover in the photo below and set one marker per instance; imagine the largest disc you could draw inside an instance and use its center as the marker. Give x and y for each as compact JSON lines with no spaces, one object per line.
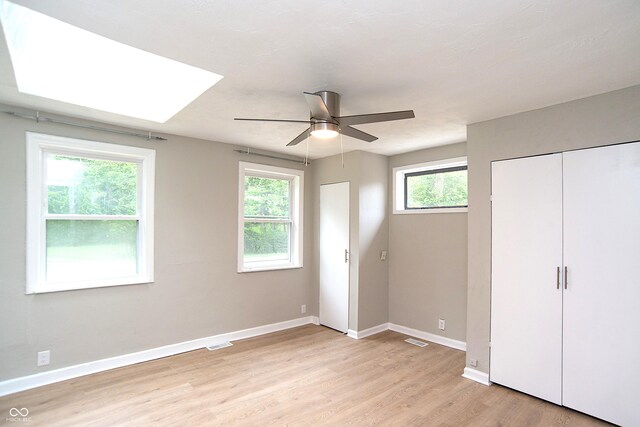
{"x":44,"y":357}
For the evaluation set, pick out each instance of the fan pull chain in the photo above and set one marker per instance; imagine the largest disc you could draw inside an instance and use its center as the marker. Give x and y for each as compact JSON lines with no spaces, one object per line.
{"x":342,"y":150}
{"x":306,"y":156}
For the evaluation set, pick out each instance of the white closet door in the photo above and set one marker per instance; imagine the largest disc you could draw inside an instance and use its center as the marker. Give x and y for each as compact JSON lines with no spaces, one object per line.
{"x":526,"y":303}
{"x":334,"y":265}
{"x":601,"y":369}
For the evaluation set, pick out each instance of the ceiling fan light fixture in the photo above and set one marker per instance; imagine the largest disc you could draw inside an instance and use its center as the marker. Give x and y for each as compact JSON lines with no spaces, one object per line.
{"x":324,"y":130}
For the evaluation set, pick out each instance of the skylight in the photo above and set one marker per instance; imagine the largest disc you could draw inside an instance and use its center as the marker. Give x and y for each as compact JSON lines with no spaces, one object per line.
{"x":55,"y":60}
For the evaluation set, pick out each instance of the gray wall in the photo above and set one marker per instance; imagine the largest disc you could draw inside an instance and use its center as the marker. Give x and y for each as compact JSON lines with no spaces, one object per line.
{"x":373,"y":284}
{"x":197,"y":292}
{"x":428,"y":260}
{"x":367,"y":175}
{"x":598,"y":120}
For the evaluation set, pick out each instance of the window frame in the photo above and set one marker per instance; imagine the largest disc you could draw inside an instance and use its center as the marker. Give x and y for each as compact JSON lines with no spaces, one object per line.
{"x":401,"y":173}
{"x":39,"y":147}
{"x":296,"y":204}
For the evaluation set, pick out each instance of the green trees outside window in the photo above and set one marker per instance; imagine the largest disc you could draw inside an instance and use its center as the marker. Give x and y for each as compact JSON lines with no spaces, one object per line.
{"x":267,"y":218}
{"x":446,"y":188}
{"x":81,"y":249}
{"x":78,"y":185}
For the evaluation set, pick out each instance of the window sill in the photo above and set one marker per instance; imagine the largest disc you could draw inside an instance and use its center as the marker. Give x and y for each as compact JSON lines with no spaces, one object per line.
{"x":268,"y":268}
{"x":430,"y":211}
{"x":60,"y":287}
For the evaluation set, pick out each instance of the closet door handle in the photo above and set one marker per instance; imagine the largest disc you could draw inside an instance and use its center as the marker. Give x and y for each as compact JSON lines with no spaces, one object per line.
{"x":565,"y":277}
{"x":557,"y":277}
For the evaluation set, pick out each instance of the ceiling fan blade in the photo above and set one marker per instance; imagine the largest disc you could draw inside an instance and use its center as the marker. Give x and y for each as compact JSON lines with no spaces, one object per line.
{"x":273,"y":120}
{"x":376,"y":117}
{"x":357,"y":134}
{"x":317,"y":106}
{"x":298,"y":139}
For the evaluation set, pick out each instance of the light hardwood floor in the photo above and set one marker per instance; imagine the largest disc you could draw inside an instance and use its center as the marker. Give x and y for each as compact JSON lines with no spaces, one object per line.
{"x":308,"y":376}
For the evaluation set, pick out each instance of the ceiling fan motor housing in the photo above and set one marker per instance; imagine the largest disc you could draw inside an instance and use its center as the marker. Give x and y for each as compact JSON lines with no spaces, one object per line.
{"x":332,"y":101}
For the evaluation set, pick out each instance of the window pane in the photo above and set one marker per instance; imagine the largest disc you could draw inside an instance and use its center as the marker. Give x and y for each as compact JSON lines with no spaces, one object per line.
{"x":79,"y":185}
{"x":266,"y":197}
{"x":85,"y":250}
{"x":266,"y":241}
{"x":445,"y":189}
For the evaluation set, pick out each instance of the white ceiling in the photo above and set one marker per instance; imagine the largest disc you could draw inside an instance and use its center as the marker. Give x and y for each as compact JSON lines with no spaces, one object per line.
{"x":454,"y":62}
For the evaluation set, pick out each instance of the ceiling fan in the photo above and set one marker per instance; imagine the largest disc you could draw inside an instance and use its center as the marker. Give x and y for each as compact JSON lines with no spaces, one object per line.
{"x":325,"y":120}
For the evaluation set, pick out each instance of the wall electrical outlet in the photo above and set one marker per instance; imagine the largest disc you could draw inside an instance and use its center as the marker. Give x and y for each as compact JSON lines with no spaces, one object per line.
{"x":303,"y":308}
{"x":44,"y":357}
{"x":383,"y":255}
{"x":473,"y":362}
{"x":441,"y":324}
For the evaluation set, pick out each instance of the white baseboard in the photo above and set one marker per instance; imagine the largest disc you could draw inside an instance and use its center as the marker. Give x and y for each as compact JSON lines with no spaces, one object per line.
{"x":36,"y":380}
{"x":373,"y":330}
{"x":449,"y":342}
{"x":367,"y":332}
{"x":477,"y":376}
{"x":458,"y":345}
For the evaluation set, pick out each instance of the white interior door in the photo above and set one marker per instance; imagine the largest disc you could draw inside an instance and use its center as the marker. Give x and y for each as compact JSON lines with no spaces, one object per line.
{"x":334,"y":264}
{"x":526,"y":297}
{"x":602,"y":298}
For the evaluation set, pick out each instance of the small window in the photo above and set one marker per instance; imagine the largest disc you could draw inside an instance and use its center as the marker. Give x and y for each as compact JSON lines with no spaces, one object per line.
{"x":270,"y":220}
{"x":90,"y":214}
{"x":439,"y":186}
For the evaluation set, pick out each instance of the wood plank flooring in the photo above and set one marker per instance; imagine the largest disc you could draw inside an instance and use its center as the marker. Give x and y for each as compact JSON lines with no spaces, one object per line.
{"x":305,"y":376}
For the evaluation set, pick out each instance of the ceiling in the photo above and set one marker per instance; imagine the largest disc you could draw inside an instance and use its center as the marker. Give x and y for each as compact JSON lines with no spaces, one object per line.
{"x":454,"y":62}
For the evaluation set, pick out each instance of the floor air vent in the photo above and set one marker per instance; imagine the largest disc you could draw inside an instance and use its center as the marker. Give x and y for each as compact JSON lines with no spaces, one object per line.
{"x":219,"y":346}
{"x":416,"y":342}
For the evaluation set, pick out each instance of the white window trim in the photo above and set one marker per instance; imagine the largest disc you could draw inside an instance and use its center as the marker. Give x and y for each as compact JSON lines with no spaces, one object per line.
{"x":296,"y":205}
{"x":39,"y":144}
{"x":398,"y":185}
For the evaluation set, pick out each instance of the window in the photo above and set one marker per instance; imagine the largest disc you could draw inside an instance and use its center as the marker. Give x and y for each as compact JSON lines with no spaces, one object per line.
{"x":439,"y":186}
{"x":270,"y":218}
{"x":90,"y":214}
